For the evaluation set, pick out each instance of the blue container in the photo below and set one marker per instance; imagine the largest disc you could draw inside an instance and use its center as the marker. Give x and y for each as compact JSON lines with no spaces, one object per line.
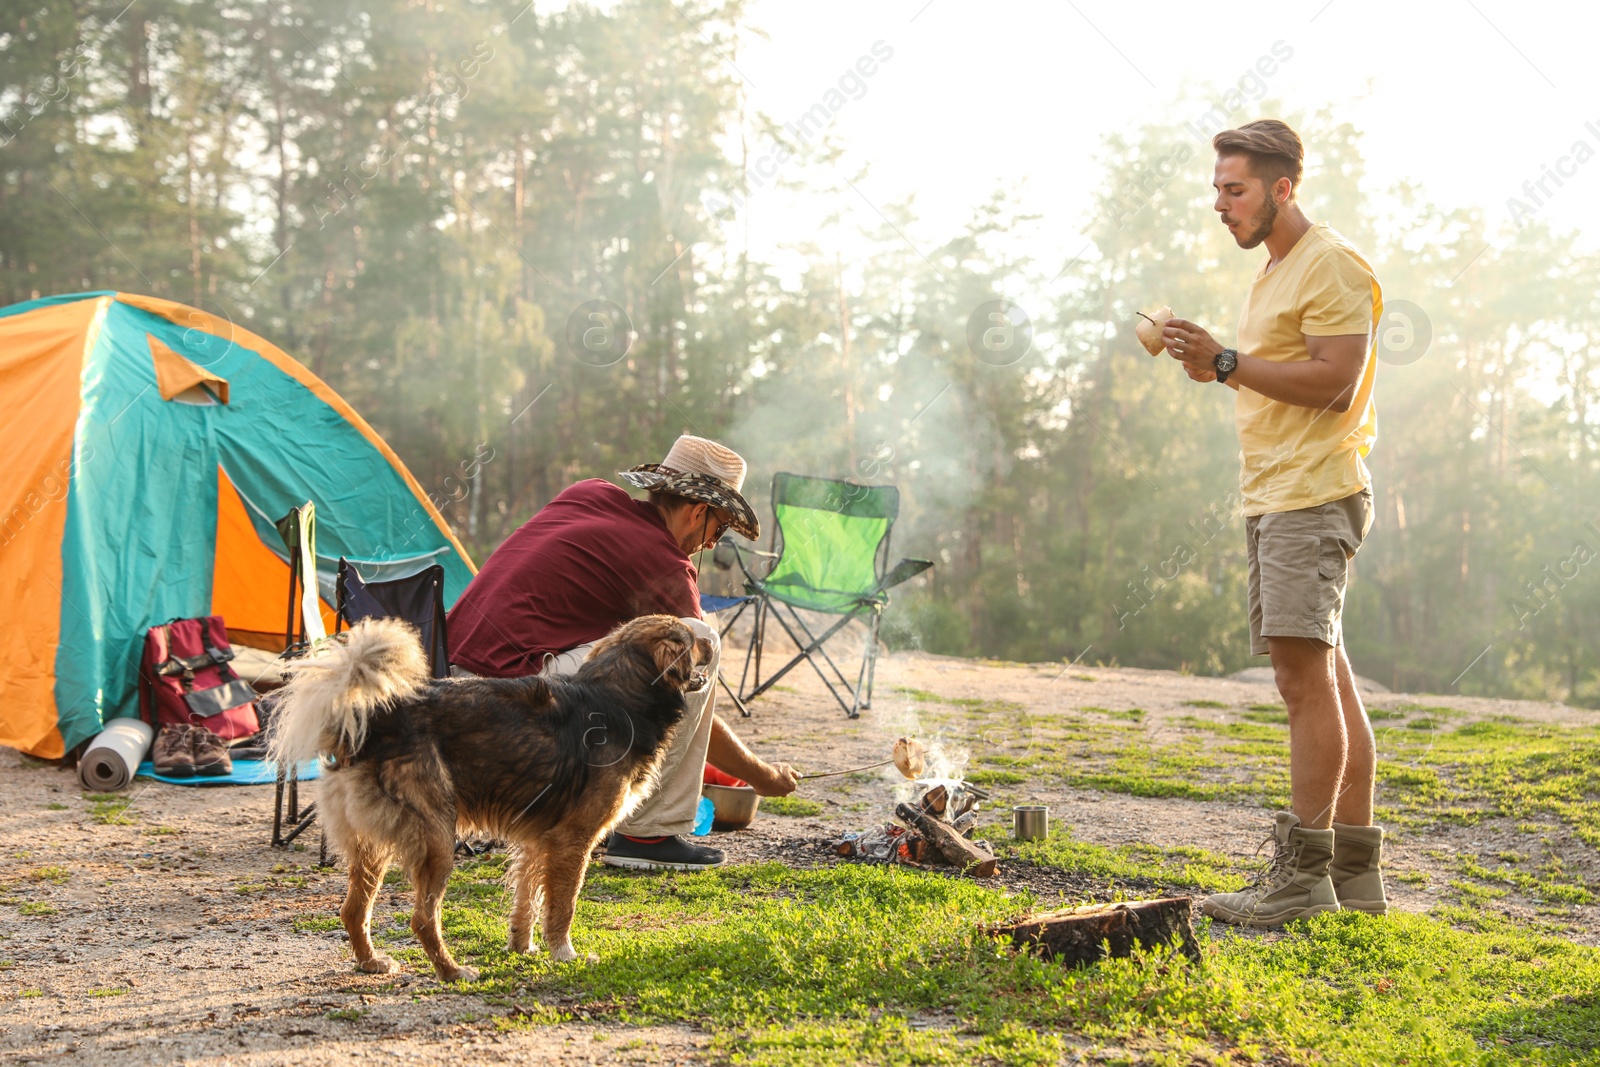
{"x":703,"y":816}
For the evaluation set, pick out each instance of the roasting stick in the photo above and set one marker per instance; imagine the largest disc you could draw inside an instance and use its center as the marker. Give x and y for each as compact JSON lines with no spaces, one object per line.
{"x":908,"y":758}
{"x":852,"y":770}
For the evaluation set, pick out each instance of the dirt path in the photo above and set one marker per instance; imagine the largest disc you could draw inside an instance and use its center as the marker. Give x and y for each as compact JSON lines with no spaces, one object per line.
{"x":169,"y":933}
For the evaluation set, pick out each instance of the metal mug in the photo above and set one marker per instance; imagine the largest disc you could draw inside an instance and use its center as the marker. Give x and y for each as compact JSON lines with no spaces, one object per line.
{"x":1030,"y":822}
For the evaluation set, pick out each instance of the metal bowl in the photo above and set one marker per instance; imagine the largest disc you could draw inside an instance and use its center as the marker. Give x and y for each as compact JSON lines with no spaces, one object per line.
{"x":733,"y":806}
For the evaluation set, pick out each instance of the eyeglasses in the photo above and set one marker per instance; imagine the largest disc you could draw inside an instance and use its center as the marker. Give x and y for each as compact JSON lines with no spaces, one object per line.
{"x":723,"y":525}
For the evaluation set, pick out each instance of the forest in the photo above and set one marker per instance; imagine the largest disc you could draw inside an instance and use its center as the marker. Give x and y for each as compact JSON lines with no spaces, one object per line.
{"x":512,"y":238}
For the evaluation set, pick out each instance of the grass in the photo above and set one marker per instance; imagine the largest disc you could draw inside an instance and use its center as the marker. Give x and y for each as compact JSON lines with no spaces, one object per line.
{"x":37,"y":907}
{"x":110,"y":809}
{"x":863,"y":964}
{"x":1206,"y":704}
{"x":988,"y":777}
{"x":792,"y":806}
{"x":1183,"y":868}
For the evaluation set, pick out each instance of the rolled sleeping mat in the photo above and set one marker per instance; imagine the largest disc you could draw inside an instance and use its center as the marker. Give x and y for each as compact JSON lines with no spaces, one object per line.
{"x":112,"y":757}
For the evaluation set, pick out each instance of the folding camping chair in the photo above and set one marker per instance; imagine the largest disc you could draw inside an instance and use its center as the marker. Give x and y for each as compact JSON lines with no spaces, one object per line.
{"x":830,"y":547}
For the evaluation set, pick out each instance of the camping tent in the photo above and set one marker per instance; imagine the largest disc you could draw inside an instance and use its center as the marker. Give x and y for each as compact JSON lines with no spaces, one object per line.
{"x":152,"y":448}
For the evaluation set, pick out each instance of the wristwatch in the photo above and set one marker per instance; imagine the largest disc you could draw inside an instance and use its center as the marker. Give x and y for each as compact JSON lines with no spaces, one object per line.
{"x":1226,"y":361}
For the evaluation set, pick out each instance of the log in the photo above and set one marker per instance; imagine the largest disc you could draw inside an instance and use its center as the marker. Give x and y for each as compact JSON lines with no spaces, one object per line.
{"x":1080,"y":936}
{"x":956,"y":850}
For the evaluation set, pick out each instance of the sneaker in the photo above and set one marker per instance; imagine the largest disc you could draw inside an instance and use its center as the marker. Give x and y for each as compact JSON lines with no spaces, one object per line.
{"x":1357,"y":879}
{"x":172,"y":755}
{"x":210,"y":753}
{"x":1296,"y":883}
{"x":659,"y":853}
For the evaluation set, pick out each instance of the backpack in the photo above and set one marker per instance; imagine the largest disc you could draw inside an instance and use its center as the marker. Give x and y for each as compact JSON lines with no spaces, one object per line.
{"x":184,"y":679}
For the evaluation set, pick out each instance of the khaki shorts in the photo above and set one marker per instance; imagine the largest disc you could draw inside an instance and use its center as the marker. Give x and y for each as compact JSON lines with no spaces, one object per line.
{"x":1299,"y":567}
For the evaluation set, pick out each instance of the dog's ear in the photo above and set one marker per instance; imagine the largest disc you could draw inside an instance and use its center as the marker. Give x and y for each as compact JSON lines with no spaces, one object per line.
{"x":672,"y":647}
{"x":703,"y":650}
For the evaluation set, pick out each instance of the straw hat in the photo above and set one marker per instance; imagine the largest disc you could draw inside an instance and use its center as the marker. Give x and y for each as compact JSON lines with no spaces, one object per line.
{"x":705,"y":471}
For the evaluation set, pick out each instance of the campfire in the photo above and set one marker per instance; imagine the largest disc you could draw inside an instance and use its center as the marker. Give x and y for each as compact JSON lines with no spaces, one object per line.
{"x":933,"y":825}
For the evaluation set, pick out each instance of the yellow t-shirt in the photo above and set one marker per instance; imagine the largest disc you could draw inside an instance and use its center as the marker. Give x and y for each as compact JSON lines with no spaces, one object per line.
{"x":1298,"y":457}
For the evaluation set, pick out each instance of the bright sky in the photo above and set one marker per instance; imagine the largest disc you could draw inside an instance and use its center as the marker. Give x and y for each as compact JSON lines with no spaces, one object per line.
{"x":1468,"y":99}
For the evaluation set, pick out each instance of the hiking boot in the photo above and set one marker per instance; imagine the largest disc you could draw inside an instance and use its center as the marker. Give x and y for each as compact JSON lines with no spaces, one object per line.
{"x":1357,"y":852}
{"x":210,"y":753}
{"x":172,"y":755}
{"x":659,"y":853}
{"x":1295,"y":886}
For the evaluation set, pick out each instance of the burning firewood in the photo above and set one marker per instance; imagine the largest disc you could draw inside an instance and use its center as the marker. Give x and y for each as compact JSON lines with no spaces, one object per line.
{"x":948,"y":842}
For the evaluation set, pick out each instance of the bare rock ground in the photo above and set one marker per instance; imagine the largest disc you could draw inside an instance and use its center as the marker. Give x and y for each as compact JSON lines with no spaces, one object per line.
{"x":171,"y":937}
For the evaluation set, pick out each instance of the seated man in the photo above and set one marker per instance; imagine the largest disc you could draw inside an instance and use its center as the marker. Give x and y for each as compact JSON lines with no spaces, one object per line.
{"x":591,"y":559}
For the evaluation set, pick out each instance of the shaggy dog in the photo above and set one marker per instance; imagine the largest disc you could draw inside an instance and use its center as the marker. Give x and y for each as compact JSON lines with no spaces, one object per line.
{"x":549,"y":765}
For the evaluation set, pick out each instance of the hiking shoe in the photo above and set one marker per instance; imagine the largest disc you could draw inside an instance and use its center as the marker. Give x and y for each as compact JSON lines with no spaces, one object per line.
{"x":1357,"y":881}
{"x":659,"y":853}
{"x":172,"y":755}
{"x":1295,"y":885}
{"x":210,"y":753}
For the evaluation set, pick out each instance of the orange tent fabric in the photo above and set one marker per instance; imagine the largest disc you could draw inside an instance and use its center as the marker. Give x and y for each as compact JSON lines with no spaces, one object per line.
{"x":42,"y":364}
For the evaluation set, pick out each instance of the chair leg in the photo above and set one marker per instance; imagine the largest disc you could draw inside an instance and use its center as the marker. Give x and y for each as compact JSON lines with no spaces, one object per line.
{"x":738,"y":613}
{"x":751,"y":652}
{"x":744,"y":711}
{"x":763,"y":609}
{"x":277,"y":811}
{"x":286,"y":802}
{"x":861,"y":675}
{"x":872,"y":658}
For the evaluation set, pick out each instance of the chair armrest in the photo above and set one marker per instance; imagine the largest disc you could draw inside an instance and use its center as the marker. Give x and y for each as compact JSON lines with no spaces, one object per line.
{"x":903,"y":571}
{"x":739,"y":554}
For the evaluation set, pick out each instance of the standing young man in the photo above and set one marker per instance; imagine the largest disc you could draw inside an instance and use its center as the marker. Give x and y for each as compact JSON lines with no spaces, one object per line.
{"x":1303,"y":372}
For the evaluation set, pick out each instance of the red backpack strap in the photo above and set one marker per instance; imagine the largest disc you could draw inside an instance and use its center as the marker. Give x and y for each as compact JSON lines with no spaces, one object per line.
{"x":219,"y":656}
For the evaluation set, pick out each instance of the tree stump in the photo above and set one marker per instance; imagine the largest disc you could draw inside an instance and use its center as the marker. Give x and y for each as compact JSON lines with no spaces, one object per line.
{"x":1080,"y":936}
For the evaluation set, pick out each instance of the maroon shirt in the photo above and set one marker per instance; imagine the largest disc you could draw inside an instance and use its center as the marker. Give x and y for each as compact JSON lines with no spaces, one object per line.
{"x":591,"y":559}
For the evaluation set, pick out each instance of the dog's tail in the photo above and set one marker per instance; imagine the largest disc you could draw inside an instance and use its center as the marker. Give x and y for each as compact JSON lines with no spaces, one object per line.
{"x":325,"y":704}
